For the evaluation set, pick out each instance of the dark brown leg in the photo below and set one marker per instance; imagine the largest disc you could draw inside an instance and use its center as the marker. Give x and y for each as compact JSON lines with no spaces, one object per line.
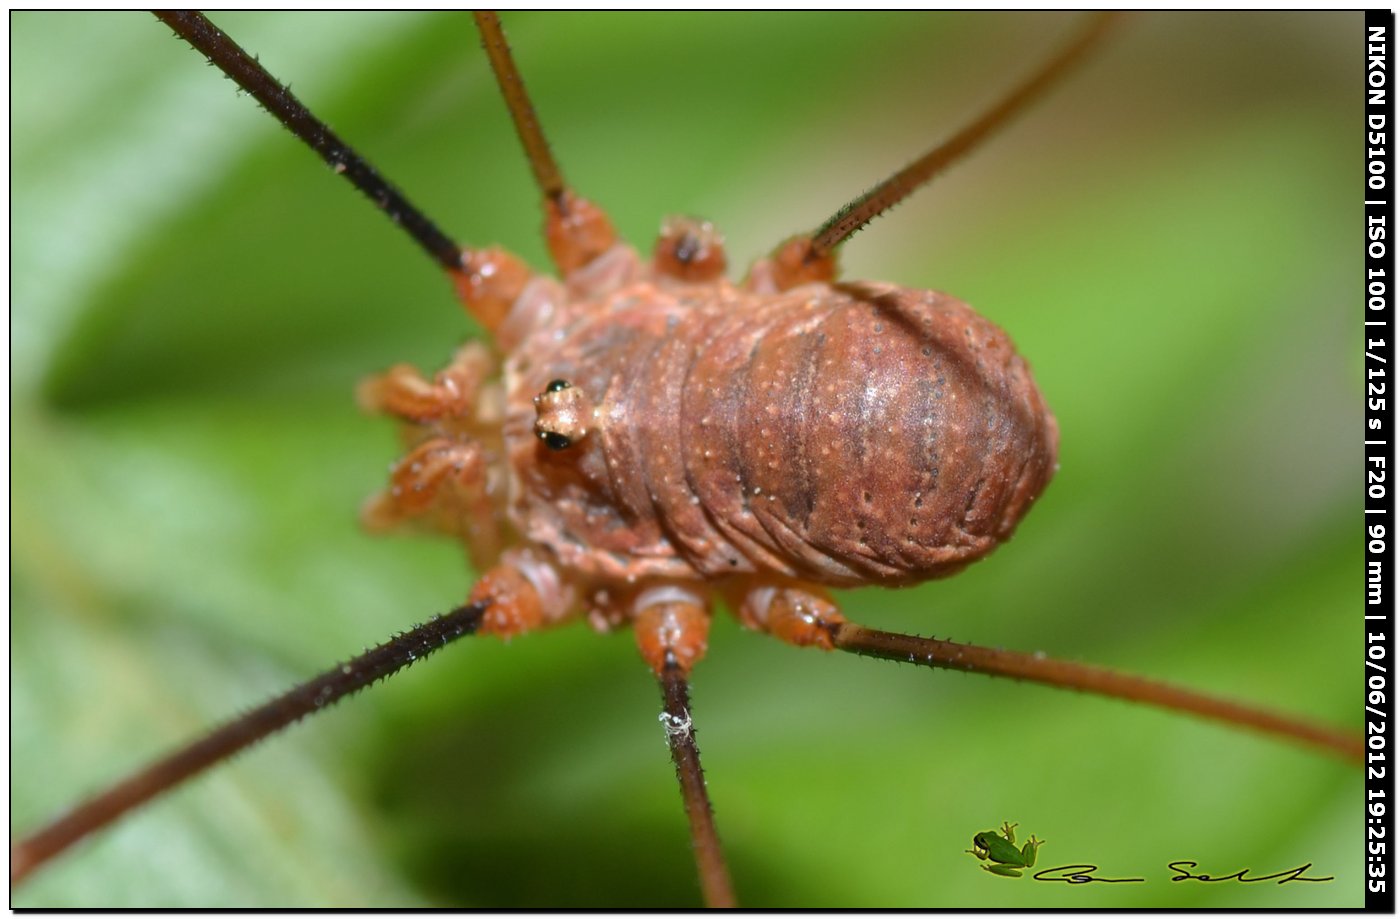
{"x":672,"y":637}
{"x":38,"y":847}
{"x":931,"y":652}
{"x":576,"y":230}
{"x":806,"y":617}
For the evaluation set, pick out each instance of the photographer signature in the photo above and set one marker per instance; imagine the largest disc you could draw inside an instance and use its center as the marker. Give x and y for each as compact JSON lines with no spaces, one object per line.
{"x":999,"y":855}
{"x":1084,"y":874}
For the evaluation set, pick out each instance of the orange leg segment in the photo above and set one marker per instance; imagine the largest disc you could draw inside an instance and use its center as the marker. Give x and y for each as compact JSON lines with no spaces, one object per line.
{"x":799,"y":616}
{"x":488,"y":283}
{"x":577,"y":231}
{"x":673,"y":628}
{"x":525,"y":592}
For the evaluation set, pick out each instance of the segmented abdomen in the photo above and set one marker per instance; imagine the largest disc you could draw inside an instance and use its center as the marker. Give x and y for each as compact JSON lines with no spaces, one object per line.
{"x":859,"y":433}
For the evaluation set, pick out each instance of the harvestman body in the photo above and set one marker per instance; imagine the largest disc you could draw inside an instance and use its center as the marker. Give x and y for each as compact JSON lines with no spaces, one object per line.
{"x":654,"y":435}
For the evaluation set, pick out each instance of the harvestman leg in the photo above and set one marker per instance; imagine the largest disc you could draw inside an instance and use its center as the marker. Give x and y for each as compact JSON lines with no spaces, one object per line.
{"x":672,"y":625}
{"x":33,"y":850}
{"x":807,"y":617}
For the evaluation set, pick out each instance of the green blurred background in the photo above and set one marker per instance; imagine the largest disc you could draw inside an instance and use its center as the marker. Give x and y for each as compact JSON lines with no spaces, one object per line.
{"x":1171,"y":239}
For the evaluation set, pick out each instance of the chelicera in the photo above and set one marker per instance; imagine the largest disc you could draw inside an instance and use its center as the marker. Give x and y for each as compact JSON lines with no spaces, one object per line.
{"x":577,"y":439}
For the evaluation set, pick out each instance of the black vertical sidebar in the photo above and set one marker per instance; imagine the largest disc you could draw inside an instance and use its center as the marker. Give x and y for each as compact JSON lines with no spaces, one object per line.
{"x":1378,"y":326}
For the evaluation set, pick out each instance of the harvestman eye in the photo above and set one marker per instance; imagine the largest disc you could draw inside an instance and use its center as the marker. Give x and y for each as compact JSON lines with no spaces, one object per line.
{"x":564,"y":415}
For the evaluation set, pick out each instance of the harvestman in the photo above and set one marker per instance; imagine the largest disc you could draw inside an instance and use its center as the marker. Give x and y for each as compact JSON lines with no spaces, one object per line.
{"x":669,"y":616}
